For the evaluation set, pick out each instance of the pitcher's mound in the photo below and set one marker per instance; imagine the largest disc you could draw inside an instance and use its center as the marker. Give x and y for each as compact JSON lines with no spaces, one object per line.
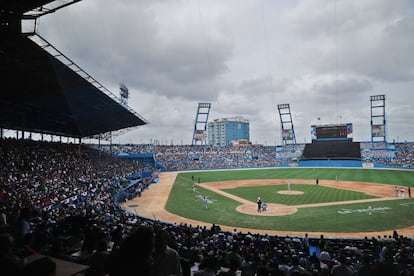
{"x":272,"y":210}
{"x":287,"y":192}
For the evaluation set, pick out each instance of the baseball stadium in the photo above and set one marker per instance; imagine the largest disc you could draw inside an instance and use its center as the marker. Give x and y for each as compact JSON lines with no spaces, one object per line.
{"x":71,"y":207}
{"x":340,"y":195}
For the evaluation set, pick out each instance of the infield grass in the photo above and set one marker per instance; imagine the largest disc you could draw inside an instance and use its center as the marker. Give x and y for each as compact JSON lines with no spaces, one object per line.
{"x":384,"y":215}
{"x":311,"y":194}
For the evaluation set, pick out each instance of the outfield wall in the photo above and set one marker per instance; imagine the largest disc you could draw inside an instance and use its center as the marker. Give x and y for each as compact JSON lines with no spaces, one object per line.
{"x":331,"y":163}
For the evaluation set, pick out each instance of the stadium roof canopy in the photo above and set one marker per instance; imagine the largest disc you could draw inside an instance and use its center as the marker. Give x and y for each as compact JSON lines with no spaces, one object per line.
{"x":43,"y":91}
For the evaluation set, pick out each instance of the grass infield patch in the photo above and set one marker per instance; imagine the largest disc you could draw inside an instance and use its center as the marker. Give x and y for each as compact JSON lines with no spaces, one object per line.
{"x":311,"y":194}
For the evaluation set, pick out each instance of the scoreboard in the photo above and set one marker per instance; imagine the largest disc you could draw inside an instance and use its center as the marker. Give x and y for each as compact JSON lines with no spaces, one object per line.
{"x":331,"y":132}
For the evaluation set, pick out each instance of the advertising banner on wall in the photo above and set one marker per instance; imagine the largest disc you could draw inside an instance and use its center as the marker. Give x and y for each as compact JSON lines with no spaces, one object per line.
{"x":378,"y":131}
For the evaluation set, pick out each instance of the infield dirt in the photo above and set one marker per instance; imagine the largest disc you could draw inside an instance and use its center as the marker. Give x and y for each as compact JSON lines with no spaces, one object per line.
{"x":152,"y":203}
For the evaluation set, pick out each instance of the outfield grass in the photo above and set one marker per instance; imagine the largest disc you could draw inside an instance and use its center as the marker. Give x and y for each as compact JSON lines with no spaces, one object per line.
{"x":389,"y":215}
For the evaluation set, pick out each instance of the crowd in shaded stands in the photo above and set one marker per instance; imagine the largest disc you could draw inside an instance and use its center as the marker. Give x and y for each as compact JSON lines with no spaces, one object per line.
{"x":52,"y":195}
{"x":38,"y":178}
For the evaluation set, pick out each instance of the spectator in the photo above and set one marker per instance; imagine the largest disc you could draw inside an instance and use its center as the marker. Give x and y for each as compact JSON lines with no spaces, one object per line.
{"x":166,"y":259}
{"x":343,"y":268}
{"x":365,"y":266}
{"x":10,"y":263}
{"x":234,"y":257}
{"x":98,"y":261}
{"x":283,"y":266}
{"x":23,"y":227}
{"x":3,"y":216}
{"x":208,"y":267}
{"x":296,"y":267}
{"x":134,"y":253}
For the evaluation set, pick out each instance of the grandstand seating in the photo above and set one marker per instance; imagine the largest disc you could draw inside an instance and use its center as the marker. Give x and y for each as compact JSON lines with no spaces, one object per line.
{"x":177,"y":157}
{"x":341,"y":150}
{"x":51,"y":180}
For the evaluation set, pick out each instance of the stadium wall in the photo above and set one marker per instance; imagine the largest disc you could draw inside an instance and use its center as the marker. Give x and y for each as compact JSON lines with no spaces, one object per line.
{"x":330,"y":163}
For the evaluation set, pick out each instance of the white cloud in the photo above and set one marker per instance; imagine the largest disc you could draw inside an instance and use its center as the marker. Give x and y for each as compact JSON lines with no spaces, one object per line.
{"x":246,"y":57}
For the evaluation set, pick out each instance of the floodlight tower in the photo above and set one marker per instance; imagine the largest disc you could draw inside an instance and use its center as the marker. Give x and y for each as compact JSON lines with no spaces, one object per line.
{"x":124,"y":93}
{"x":378,"y":121}
{"x":288,"y":132}
{"x":200,"y":125}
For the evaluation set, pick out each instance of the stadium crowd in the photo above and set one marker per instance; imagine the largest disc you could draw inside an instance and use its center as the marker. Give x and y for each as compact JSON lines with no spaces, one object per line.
{"x":51,"y":194}
{"x":404,"y":155}
{"x":375,"y":155}
{"x":188,"y":157}
{"x":61,"y":200}
{"x":374,"y":145}
{"x":397,"y":155}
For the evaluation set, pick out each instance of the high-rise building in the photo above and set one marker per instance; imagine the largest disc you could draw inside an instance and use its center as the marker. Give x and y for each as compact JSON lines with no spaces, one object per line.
{"x":228,"y":131}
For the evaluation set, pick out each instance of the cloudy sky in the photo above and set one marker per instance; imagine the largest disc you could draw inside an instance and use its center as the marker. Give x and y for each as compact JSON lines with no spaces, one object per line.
{"x":323,"y":57}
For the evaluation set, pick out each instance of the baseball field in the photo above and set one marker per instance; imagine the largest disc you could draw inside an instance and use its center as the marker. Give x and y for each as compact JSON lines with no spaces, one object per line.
{"x":344,"y":202}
